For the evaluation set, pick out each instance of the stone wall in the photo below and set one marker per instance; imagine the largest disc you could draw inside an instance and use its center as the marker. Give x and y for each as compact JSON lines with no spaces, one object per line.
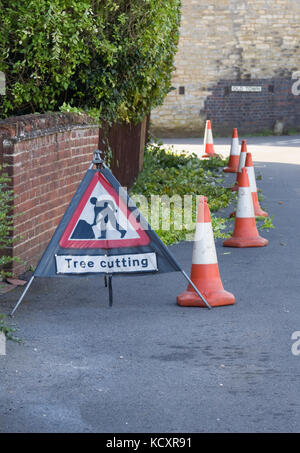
{"x":233,"y":42}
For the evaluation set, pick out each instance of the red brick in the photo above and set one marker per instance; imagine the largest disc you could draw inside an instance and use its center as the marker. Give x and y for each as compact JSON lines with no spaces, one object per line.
{"x":47,"y":165}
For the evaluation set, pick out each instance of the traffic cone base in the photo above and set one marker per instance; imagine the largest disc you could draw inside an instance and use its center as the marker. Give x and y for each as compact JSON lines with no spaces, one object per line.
{"x":206,"y":278}
{"x":246,"y":243}
{"x":209,"y":150}
{"x":245,"y":235}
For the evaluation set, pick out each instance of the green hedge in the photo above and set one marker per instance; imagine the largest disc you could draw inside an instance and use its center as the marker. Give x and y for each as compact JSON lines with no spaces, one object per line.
{"x":112,"y":58}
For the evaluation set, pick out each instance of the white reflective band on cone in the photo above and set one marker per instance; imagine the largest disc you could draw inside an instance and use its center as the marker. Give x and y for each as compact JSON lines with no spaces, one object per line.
{"x":245,"y":204}
{"x":205,"y":135}
{"x":242,"y":161}
{"x":209,"y":137}
{"x":204,"y":251}
{"x":235,"y":147}
{"x":252,"y":181}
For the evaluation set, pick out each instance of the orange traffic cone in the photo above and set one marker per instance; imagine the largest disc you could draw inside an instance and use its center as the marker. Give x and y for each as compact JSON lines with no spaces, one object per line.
{"x":208,"y":141}
{"x":245,"y":233}
{"x":242,"y":161}
{"x":253,"y":189}
{"x":233,"y":164}
{"x":205,"y":270}
{"x":252,"y":180}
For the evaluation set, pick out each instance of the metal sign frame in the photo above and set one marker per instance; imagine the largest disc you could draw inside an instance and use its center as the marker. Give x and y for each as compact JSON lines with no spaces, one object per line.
{"x":45,"y":267}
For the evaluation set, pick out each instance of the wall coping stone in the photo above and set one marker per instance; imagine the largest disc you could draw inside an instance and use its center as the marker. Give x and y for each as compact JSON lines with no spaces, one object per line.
{"x":25,"y":127}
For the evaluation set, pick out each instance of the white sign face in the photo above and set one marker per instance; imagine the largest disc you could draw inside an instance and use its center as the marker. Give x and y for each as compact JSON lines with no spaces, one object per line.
{"x":83,"y":264}
{"x":250,"y":89}
{"x":105,"y":218}
{"x":2,"y":344}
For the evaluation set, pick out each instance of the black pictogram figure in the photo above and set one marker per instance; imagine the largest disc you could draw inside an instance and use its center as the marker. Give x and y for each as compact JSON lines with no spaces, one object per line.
{"x":104,"y":213}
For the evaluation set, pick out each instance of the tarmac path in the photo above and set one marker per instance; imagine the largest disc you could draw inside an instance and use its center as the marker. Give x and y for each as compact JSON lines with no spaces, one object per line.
{"x":147,"y":365}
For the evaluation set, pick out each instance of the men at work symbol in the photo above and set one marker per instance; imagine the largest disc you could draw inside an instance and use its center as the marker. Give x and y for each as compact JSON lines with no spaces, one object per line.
{"x":104,"y":215}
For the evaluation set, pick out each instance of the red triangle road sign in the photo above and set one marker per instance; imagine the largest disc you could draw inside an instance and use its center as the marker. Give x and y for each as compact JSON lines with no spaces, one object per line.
{"x":102,"y":220}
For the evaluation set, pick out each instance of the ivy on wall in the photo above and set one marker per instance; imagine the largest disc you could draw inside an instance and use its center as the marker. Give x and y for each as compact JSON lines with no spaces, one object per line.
{"x":6,"y":222}
{"x":111,"y":58}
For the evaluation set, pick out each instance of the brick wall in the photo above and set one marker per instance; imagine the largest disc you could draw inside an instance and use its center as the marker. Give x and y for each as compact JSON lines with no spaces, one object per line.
{"x":47,"y":156}
{"x":253,"y":112}
{"x":233,"y":42}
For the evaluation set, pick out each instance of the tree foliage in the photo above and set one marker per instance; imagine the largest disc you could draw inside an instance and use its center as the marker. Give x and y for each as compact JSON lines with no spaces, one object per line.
{"x":113,"y":58}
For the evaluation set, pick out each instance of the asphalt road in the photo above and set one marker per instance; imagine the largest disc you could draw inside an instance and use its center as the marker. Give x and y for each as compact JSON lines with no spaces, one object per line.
{"x":147,"y":365}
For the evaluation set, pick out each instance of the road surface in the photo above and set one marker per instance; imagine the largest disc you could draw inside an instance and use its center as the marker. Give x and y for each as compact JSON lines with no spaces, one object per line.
{"x":147,"y":365}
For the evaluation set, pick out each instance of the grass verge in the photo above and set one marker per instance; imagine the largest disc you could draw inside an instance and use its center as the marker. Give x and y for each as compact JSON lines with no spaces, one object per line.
{"x":168,"y":174}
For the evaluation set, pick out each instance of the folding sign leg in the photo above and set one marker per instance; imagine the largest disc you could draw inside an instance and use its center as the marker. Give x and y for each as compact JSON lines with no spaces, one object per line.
{"x":22,"y":296}
{"x":110,"y":291}
{"x":105,"y":281}
{"x":196,"y":289}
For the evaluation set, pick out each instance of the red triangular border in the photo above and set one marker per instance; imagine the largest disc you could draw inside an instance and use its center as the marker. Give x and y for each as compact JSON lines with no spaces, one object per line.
{"x":65,"y":242}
